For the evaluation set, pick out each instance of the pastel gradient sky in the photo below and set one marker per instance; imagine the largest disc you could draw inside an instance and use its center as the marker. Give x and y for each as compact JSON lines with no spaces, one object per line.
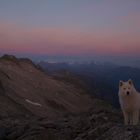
{"x":70,"y":27}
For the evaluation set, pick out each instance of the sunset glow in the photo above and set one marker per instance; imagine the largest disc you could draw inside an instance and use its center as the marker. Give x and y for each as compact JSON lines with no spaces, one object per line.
{"x":70,"y":28}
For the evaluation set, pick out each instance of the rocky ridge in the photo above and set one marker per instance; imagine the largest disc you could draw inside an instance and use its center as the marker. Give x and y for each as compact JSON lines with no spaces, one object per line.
{"x":30,"y":91}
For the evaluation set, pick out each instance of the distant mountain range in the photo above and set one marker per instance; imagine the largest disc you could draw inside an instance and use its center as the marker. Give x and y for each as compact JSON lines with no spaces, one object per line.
{"x":102,"y":79}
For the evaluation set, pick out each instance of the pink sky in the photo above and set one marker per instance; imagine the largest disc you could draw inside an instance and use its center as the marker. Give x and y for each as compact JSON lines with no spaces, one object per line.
{"x":70,"y":27}
{"x":105,"y":27}
{"x":71,"y":41}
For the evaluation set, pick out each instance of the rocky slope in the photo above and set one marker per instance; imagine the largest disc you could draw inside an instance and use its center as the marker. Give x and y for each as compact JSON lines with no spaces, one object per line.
{"x":35,"y":106}
{"x":101,"y":123}
{"x":25,"y":89}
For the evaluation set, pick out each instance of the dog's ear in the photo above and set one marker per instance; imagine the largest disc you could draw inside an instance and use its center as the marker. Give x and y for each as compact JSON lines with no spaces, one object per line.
{"x":130,"y":82}
{"x":121,"y":83}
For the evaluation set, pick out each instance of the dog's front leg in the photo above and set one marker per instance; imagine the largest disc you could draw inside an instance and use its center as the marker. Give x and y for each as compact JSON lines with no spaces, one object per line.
{"x":135,"y":116}
{"x":126,"y":117}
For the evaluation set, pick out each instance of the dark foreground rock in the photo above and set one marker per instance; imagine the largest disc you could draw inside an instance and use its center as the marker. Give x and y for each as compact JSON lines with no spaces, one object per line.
{"x":102,"y":122}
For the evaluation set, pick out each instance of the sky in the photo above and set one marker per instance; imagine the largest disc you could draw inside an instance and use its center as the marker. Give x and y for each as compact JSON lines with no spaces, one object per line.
{"x":86,"y":28}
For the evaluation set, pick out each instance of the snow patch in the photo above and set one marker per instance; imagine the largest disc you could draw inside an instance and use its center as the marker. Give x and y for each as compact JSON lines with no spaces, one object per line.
{"x":33,"y":103}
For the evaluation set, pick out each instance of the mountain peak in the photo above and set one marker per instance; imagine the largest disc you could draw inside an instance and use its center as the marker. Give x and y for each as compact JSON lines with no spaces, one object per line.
{"x":9,"y":57}
{"x":18,"y":61}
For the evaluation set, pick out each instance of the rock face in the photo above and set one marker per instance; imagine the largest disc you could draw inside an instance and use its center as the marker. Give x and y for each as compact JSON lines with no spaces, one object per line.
{"x":35,"y":106}
{"x":27,"y":87}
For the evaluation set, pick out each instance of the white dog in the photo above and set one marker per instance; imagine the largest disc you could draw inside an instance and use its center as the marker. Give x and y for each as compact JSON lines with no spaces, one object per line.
{"x":130,"y":102}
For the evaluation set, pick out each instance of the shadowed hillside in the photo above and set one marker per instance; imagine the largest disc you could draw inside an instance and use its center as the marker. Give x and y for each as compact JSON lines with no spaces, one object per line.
{"x":22,"y":83}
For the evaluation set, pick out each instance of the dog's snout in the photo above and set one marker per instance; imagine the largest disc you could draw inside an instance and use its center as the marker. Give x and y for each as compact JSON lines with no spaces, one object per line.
{"x":127,"y":92}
